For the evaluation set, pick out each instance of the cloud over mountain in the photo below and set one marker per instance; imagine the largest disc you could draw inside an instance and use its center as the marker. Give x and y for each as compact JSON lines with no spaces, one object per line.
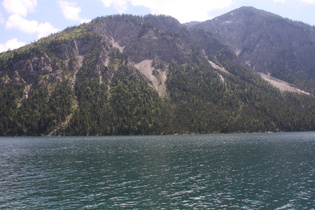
{"x":71,"y":11}
{"x":19,"y":9}
{"x":184,"y":11}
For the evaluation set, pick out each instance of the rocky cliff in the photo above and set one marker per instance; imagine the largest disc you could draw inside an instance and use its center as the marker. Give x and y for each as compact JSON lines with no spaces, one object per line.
{"x":140,"y":75}
{"x":268,"y":43}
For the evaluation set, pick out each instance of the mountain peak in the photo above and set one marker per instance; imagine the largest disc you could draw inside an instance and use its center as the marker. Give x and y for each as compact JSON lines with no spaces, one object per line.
{"x":126,"y":74}
{"x":247,"y":14}
{"x":268,"y":43}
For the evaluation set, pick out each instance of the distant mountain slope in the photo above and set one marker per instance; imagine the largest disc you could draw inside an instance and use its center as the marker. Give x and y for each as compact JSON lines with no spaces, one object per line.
{"x":268,"y":43}
{"x":123,"y":74}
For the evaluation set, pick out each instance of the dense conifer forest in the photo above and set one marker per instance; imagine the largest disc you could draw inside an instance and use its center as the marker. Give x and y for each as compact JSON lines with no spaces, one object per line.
{"x":90,"y":80}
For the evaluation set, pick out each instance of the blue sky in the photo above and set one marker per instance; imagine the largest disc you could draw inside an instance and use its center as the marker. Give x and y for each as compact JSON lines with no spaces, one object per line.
{"x":25,"y":21}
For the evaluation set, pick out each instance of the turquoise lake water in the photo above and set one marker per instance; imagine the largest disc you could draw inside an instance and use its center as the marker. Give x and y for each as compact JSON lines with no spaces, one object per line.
{"x":225,"y":171}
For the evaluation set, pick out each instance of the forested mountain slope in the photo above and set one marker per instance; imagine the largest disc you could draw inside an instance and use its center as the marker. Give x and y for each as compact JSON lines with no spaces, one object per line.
{"x":139,"y":75}
{"x":268,"y":44}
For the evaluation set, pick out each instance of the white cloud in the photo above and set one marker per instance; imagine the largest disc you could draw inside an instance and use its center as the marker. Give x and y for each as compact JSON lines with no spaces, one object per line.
{"x":30,"y":26}
{"x":120,"y":5}
{"x":11,"y":44}
{"x":1,"y":18}
{"x":184,"y":11}
{"x":85,"y":20}
{"x":309,"y":1}
{"x":71,"y":11}
{"x":45,"y":29}
{"x":303,"y":1}
{"x":19,"y":7}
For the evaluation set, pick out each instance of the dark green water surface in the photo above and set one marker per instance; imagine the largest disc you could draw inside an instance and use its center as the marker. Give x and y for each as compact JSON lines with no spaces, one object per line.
{"x":239,"y":171}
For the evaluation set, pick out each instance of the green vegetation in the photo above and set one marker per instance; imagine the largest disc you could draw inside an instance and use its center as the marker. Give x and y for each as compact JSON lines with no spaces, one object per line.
{"x":243,"y":103}
{"x":75,"y":83}
{"x":130,"y":106}
{"x":38,"y":115}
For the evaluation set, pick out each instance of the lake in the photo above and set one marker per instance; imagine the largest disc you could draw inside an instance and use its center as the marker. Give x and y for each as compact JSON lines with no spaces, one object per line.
{"x":224,"y":171}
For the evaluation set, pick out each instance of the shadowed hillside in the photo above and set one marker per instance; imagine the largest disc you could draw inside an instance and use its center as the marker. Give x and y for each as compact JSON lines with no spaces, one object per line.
{"x":122,"y":75}
{"x":268,"y":43}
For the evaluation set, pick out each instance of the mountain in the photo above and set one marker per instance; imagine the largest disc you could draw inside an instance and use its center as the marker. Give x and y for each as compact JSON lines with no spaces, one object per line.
{"x":123,"y":74}
{"x":268,"y":43}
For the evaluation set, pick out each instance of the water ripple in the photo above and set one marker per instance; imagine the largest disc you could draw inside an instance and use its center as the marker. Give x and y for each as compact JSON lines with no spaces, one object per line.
{"x":246,"y":171}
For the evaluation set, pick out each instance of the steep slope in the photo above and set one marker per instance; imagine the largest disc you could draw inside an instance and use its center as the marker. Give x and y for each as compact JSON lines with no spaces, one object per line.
{"x":139,"y":75}
{"x":268,"y":44}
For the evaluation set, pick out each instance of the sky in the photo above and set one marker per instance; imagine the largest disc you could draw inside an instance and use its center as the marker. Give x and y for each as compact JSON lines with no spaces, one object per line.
{"x":25,"y":21}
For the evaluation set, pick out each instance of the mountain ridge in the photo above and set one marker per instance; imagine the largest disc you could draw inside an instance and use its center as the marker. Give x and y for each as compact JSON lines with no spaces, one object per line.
{"x":124,"y":74}
{"x":268,"y":43}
